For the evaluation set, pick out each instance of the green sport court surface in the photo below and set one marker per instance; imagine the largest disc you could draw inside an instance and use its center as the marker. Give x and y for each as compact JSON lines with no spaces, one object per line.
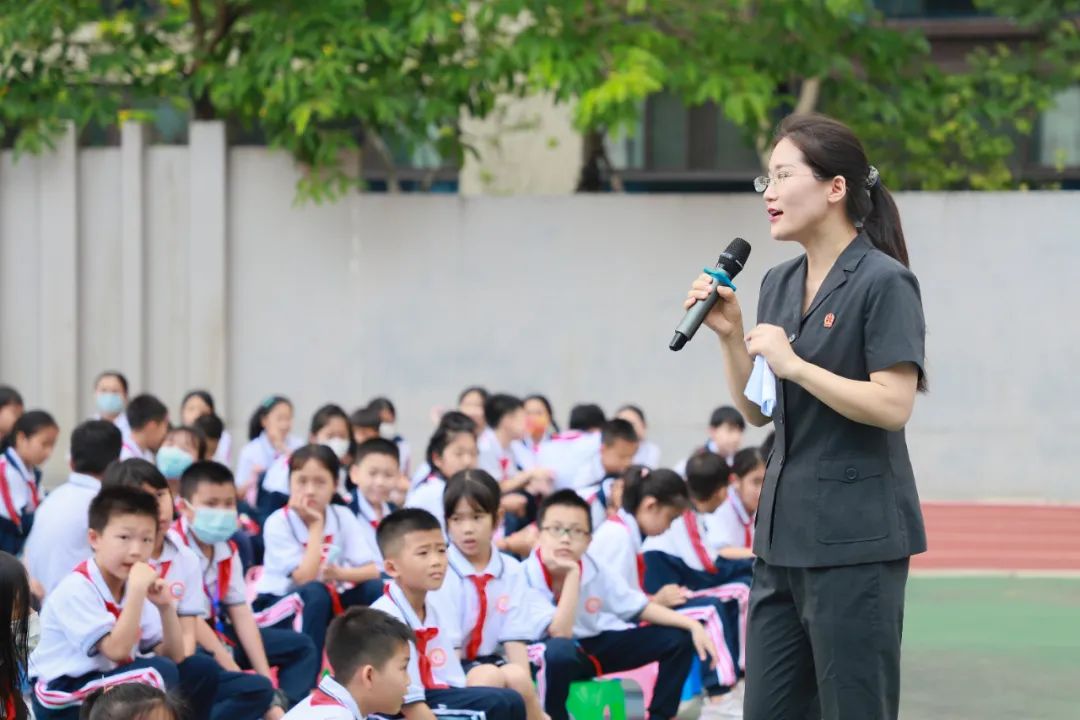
{"x":991,"y":648}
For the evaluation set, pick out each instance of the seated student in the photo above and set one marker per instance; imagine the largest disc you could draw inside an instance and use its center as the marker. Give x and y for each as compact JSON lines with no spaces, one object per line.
{"x":414,"y":551}
{"x":11,"y":407}
{"x":230,"y":634}
{"x":731,"y":527}
{"x":239,"y":695}
{"x":182,"y":447}
{"x":57,"y":541}
{"x":373,"y":474}
{"x":336,"y":570}
{"x":330,"y":427}
{"x":113,"y":620}
{"x":651,"y":500}
{"x":269,"y":434}
{"x":18,"y":626}
{"x":25,"y":449}
{"x":365,"y":422}
{"x":213,"y":430}
{"x":110,"y":399}
{"x":471,"y":403}
{"x":198,"y":404}
{"x":452,"y":448}
{"x":684,"y":555}
{"x":593,"y":614}
{"x":726,"y":427}
{"x":648,"y":454}
{"x":540,"y":425}
{"x":388,"y":429}
{"x":132,"y":702}
{"x":596,"y":479}
{"x":565,"y":453}
{"x":368,"y":652}
{"x":523,"y":484}
{"x":149,"y":420}
{"x":487,"y":593}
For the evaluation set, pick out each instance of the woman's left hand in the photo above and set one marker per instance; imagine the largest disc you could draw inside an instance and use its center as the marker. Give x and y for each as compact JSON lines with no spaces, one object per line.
{"x":771,"y":342}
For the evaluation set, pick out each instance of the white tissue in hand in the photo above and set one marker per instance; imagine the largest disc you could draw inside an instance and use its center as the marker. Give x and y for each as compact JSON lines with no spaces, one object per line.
{"x":761,"y":387}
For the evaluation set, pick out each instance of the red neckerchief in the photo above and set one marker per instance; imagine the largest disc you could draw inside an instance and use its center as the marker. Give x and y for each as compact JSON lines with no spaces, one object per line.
{"x":423,"y":637}
{"x":476,"y":636}
{"x":690,"y":520}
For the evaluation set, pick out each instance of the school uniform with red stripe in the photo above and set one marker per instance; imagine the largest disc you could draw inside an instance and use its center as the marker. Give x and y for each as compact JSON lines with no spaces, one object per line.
{"x":131,"y":449}
{"x":730,"y":525}
{"x":179,"y":567}
{"x":329,"y":701}
{"x":19,"y":498}
{"x":79,"y":613}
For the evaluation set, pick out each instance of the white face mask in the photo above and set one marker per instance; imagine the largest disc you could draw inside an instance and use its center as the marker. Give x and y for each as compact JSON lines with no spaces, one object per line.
{"x":339,"y":446}
{"x":388,"y":430}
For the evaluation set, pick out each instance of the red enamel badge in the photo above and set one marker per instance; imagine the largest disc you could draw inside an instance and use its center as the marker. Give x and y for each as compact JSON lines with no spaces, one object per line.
{"x":829,"y":320}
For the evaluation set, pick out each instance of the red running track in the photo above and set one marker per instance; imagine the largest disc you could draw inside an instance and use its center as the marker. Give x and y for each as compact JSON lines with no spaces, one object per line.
{"x":991,"y":536}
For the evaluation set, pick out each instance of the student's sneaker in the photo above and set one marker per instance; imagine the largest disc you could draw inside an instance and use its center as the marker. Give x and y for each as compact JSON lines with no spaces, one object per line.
{"x":730,"y":707}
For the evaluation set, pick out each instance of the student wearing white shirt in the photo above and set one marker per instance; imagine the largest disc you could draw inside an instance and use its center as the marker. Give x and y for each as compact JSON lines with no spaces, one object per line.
{"x":198,"y":404}
{"x":269,"y":435}
{"x":110,"y":399}
{"x":593,"y":615}
{"x":373,"y":474}
{"x":368,"y":653}
{"x":523,"y":484}
{"x":240,"y":695}
{"x":565,"y":453}
{"x":732,"y":524}
{"x":57,"y":541}
{"x":452,"y":448}
{"x":726,"y":427}
{"x":149,"y":420}
{"x":540,"y":425}
{"x":334,"y":571}
{"x":23,"y":450}
{"x":388,"y":429}
{"x":596,"y":481}
{"x":685,"y":556}
{"x":112,"y":620}
{"x":330,"y":426}
{"x":651,"y":501}
{"x":414,"y":550}
{"x":648,"y":454}
{"x":183,"y":446}
{"x":487,"y":592}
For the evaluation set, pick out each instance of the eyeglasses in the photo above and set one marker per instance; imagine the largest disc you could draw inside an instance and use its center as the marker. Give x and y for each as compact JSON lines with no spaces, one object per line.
{"x":559,"y":531}
{"x":763,"y":181}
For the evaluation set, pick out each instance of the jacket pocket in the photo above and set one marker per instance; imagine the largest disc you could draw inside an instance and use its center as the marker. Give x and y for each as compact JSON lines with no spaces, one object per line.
{"x":851,"y":500}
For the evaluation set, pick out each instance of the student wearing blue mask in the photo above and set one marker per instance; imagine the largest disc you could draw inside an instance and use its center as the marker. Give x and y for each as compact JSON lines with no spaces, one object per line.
{"x":182,"y":447}
{"x":231,"y":632}
{"x":111,"y":399}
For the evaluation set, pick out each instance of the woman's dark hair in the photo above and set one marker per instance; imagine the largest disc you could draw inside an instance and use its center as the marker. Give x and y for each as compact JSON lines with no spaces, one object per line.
{"x":29,"y":424}
{"x":10,"y":396}
{"x":746,"y":460}
{"x":451,"y":425}
{"x":131,"y":701}
{"x":476,"y":487}
{"x":325,"y":414}
{"x":14,"y":616}
{"x":547,"y":406}
{"x":255,"y":427}
{"x":383,"y":403}
{"x":666,"y":486}
{"x":202,"y":395}
{"x":831,"y":149}
{"x":116,"y":374}
{"x":320,"y":454}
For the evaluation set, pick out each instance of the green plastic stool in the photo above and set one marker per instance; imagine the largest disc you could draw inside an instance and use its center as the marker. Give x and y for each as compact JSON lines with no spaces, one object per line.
{"x":597,"y":700}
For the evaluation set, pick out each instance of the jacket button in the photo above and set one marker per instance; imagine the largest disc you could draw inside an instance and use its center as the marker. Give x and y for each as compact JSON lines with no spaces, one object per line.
{"x":851,"y":473}
{"x":791,"y":337}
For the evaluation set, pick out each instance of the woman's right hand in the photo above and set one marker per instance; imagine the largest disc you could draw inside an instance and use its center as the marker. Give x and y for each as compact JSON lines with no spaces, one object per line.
{"x":725,"y":317}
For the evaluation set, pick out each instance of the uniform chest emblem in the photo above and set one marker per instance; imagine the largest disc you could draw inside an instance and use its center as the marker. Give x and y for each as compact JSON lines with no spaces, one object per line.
{"x":830,"y":319}
{"x":437,"y":656}
{"x":503,"y":604}
{"x":593,"y":604}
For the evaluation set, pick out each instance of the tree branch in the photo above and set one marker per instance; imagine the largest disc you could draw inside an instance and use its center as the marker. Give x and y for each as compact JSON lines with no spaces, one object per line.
{"x":199,"y":22}
{"x":808,"y":95}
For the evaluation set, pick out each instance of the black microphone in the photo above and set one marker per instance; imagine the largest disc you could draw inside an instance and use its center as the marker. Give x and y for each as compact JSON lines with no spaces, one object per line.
{"x":730,"y":263}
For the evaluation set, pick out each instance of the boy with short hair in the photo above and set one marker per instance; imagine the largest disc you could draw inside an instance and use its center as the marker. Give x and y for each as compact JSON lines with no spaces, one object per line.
{"x":113,"y":620}
{"x":726,"y":427}
{"x":374,"y":474}
{"x":57,"y":540}
{"x":414,"y":553}
{"x":208,"y":518}
{"x":368,"y":652}
{"x":597,"y":480}
{"x":149,"y":420}
{"x":594,"y":616}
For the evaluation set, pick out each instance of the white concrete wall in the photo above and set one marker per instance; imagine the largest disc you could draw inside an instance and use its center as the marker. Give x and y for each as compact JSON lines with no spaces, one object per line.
{"x":576,"y":296}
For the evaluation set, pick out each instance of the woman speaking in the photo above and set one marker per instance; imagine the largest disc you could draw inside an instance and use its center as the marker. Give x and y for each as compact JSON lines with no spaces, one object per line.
{"x":841,"y":327}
